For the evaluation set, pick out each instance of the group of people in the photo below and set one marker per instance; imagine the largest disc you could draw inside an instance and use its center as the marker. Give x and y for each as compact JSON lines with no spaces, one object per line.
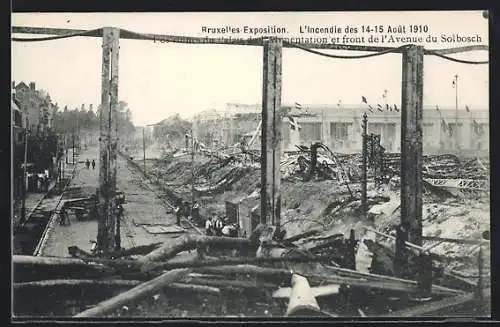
{"x":87,"y":164}
{"x":215,"y":226}
{"x":37,"y":182}
{"x":184,"y":209}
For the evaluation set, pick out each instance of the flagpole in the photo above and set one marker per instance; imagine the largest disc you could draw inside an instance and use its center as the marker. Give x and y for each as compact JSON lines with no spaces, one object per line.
{"x":456,"y":113}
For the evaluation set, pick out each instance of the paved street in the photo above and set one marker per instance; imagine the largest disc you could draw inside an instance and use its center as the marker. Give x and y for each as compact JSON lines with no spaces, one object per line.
{"x":142,"y":207}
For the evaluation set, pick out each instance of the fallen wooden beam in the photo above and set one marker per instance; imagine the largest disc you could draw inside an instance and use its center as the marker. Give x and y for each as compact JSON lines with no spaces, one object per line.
{"x":301,"y":236}
{"x":230,"y":283}
{"x":47,"y":261}
{"x":455,"y":240}
{"x":318,"y":291}
{"x":75,"y":283}
{"x":355,"y":279}
{"x":190,"y":242}
{"x":141,"y":290}
{"x":302,"y":301}
{"x":107,"y":283}
{"x":436,"y":289}
{"x":432,"y":306}
{"x":151,"y":266}
{"x":194,"y":288}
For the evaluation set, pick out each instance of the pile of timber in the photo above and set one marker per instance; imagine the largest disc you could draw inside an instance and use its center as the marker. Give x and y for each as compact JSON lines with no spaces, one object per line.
{"x":158,"y":267}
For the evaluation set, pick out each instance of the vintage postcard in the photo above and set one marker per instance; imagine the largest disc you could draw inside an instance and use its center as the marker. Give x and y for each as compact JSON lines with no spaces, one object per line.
{"x":250,"y":164}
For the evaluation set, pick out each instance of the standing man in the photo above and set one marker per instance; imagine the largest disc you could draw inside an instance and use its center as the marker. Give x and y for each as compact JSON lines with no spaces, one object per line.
{"x":208,"y":226}
{"x":93,"y":164}
{"x":119,"y":216}
{"x":63,"y":216}
{"x":195,"y":213}
{"x":218,"y":226}
{"x":178,"y":213}
{"x":87,"y":163}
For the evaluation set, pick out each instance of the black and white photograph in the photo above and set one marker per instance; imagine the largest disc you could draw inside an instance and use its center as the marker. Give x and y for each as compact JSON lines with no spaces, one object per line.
{"x":241,"y":165}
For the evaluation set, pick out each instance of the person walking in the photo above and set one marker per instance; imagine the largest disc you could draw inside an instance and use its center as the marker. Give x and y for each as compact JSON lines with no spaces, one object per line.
{"x":93,"y":164}
{"x":63,"y":217}
{"x":87,"y":164}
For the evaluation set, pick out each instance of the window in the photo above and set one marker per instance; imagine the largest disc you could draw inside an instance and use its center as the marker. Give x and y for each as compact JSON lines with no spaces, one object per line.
{"x":310,"y":131}
{"x":339,"y":131}
{"x":452,"y":127}
{"x":18,"y":118}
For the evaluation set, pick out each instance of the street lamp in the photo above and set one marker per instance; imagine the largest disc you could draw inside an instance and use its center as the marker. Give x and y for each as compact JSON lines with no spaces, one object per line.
{"x":144,"y":143}
{"x":455,"y":85}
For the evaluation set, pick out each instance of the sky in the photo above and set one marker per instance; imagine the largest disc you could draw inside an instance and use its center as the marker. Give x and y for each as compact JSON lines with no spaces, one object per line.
{"x":160,"y":79}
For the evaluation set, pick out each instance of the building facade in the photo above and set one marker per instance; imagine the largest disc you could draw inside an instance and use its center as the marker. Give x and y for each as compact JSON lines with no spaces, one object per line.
{"x":35,"y":104}
{"x":340,"y":127}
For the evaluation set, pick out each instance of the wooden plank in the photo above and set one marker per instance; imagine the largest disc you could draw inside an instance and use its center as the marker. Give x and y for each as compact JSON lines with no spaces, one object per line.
{"x":411,"y":151}
{"x":271,"y":133}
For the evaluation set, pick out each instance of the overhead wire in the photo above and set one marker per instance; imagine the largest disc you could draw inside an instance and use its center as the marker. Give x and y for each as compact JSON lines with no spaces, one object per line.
{"x":378,"y":53}
{"x":431,"y":52}
{"x":251,"y":41}
{"x":58,"y":37}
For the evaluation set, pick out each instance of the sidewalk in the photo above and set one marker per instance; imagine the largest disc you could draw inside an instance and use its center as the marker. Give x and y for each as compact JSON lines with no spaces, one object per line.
{"x":79,"y":233}
{"x":141,"y":207}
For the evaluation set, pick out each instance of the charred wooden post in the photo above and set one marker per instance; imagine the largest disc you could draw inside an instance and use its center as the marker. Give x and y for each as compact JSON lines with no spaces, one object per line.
{"x":108,"y":138}
{"x":364,"y":150}
{"x":411,"y":144}
{"x":480,"y":281}
{"x":424,"y":279}
{"x":401,"y":253}
{"x":271,"y":134}
{"x":351,"y":251}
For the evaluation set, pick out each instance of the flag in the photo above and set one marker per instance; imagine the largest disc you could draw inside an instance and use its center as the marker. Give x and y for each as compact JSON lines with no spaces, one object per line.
{"x":298,"y":106}
{"x":379,"y":107}
{"x":363,"y":99}
{"x":396,"y":108}
{"x":443,"y":124}
{"x":370,"y":108}
{"x":477,"y":128}
{"x":387,"y":107}
{"x":467,"y":108}
{"x":453,"y":84}
{"x":293,"y":125}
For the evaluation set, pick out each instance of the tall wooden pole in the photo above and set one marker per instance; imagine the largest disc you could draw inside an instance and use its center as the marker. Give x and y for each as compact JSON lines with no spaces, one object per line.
{"x":108,"y":138}
{"x":271,"y":134}
{"x":364,"y":167}
{"x":411,"y":145}
{"x":23,"y":203}
{"x":192,"y":167}
{"x":456,"y":131}
{"x":144,"y":148}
